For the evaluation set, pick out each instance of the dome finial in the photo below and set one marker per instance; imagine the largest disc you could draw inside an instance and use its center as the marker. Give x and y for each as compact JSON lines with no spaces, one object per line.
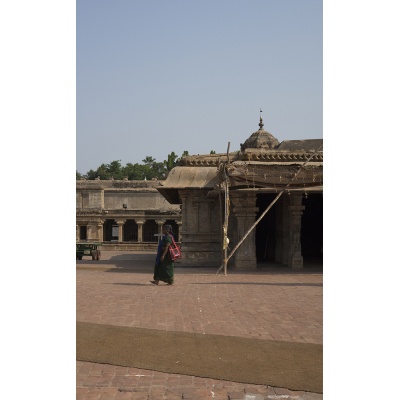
{"x":260,"y":139}
{"x":261,"y":124}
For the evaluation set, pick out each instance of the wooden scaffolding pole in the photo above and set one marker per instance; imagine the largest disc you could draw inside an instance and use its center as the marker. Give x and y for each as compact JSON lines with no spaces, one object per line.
{"x":225,"y":226}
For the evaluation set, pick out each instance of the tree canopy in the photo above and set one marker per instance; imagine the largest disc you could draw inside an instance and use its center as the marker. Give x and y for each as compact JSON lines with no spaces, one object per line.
{"x":149,"y":169}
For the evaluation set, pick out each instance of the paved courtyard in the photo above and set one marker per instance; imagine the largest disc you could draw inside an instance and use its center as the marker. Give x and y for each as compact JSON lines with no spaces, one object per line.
{"x":270,"y":303}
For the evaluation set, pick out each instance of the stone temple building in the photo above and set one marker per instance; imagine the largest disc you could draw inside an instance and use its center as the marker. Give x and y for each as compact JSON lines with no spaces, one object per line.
{"x":123,"y":214}
{"x":128,"y":215}
{"x":290,"y":233}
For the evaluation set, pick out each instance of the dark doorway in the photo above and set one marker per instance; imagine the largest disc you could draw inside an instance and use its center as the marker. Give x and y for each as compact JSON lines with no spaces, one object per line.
{"x":312,"y":228}
{"x":107,"y":230}
{"x":83,"y":233}
{"x":150,"y":229}
{"x":130,"y":231}
{"x":266,"y":228}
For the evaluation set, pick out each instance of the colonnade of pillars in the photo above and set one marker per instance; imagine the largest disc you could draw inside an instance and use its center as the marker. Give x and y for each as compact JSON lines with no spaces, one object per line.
{"x":95,"y":229}
{"x":288,"y":238}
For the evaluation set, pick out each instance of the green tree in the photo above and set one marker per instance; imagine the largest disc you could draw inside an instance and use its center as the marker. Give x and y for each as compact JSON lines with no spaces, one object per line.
{"x":132,"y":172}
{"x":171,"y":161}
{"x":149,"y":169}
{"x":158,"y":170}
{"x":154,"y":169}
{"x":149,"y":160}
{"x":107,"y":171}
{"x":114,"y":170}
{"x":102,"y":172}
{"x":184,"y":154}
{"x":135,"y":172}
{"x":91,"y":175}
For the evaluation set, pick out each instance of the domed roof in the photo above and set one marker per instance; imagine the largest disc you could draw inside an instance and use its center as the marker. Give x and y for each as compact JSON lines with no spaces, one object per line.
{"x":260,"y":139}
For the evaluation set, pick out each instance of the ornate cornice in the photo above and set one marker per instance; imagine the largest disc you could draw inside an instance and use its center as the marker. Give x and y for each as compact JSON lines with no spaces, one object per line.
{"x":270,"y":156}
{"x":282,"y":156}
{"x":117,"y":184}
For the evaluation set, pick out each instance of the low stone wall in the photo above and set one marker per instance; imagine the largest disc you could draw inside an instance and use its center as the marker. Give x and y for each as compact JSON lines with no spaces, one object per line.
{"x":129,"y":247}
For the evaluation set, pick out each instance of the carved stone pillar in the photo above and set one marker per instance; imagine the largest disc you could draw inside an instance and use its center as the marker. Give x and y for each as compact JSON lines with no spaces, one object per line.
{"x":92,"y":231}
{"x":100,"y":230}
{"x":245,"y":211}
{"x":140,"y":224}
{"x":179,"y":223}
{"x":160,"y":224}
{"x":295,"y":212}
{"x":78,"y":231}
{"x":120,"y":224}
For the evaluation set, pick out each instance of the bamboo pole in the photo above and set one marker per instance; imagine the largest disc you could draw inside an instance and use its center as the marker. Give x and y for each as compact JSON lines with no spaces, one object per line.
{"x":225,"y":228}
{"x":254,"y":225}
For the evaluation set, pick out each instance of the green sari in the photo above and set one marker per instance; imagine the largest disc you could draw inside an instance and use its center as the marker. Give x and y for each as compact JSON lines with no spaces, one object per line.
{"x":164,"y":270}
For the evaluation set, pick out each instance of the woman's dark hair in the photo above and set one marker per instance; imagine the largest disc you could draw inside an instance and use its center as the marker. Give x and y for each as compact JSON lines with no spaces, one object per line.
{"x":168,"y":228}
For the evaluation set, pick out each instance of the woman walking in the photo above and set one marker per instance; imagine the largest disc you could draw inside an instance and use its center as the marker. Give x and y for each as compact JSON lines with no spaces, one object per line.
{"x":164,"y":266}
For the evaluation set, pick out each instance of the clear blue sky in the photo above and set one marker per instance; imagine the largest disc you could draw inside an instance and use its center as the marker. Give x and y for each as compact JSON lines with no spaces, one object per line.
{"x":159,"y":76}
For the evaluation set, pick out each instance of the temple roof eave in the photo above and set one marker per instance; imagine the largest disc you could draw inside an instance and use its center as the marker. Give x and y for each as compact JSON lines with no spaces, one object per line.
{"x":184,"y":177}
{"x":254,"y":155}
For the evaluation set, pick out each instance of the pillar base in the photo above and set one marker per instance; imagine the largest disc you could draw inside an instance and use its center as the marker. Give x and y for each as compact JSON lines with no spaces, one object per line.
{"x":241,"y":265}
{"x":296,"y":262}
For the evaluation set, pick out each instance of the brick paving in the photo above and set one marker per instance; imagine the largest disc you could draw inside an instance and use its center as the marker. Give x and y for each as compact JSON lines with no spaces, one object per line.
{"x":270,"y":304}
